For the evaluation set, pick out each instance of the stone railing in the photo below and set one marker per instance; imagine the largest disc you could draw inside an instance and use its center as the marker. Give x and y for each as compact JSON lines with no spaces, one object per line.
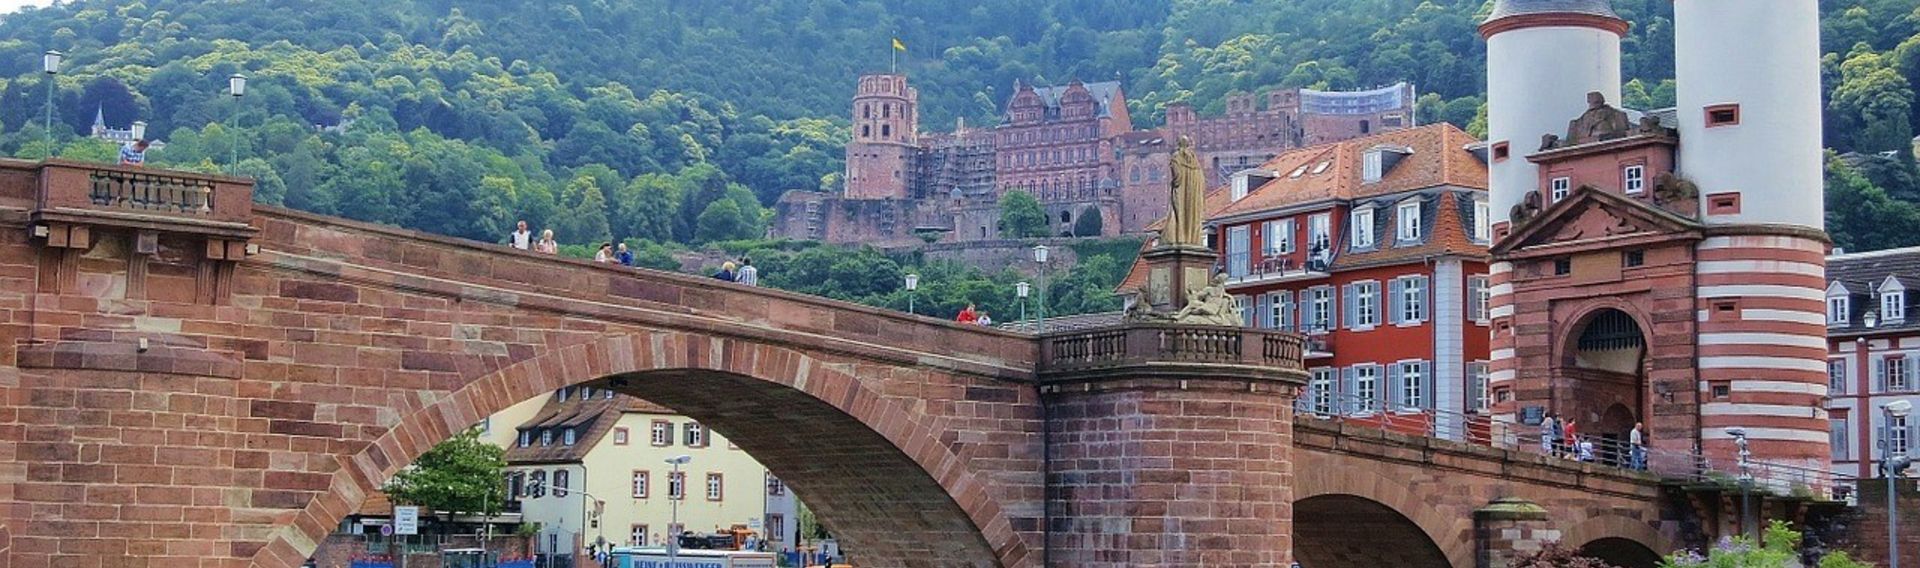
{"x":1170,"y":351}
{"x":142,"y":198}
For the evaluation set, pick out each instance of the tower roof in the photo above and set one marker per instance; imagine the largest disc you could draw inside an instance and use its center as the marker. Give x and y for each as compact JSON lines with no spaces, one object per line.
{"x":1509,"y":8}
{"x":1515,"y":14}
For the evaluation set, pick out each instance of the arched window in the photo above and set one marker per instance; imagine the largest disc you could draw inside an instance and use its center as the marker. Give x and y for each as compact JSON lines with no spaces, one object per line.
{"x":866,"y":111}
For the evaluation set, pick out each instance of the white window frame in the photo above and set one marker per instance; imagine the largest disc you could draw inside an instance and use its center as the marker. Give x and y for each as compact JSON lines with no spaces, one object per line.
{"x":1321,"y":388}
{"x":1482,"y":221}
{"x":1407,"y":215}
{"x":1413,"y":301}
{"x":716,"y":487}
{"x":1362,"y":221}
{"x":1897,"y":434}
{"x":1840,"y":433}
{"x":642,"y":483}
{"x":1836,"y":376}
{"x":1480,"y":296}
{"x":1320,"y":231}
{"x":696,"y":436}
{"x":1893,"y":303}
{"x":1837,"y":310}
{"x":1239,"y":187}
{"x":662,"y":434}
{"x":546,"y":437}
{"x":1482,"y":385}
{"x":1559,"y":188}
{"x":1278,"y":233}
{"x":1366,"y":385}
{"x":1897,"y":373}
{"x":1374,"y":167}
{"x":1413,"y":382}
{"x":1239,"y":250}
{"x":1366,"y":305}
{"x":1282,"y":305}
{"x":568,"y":437}
{"x":1633,"y":179}
{"x":677,"y":485}
{"x":1323,"y":300}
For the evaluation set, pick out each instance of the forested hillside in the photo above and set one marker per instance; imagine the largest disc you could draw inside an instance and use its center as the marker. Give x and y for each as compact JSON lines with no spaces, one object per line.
{"x":678,"y":122}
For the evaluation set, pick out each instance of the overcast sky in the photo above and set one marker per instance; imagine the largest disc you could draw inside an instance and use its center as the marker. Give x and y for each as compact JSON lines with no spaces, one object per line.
{"x":9,"y":6}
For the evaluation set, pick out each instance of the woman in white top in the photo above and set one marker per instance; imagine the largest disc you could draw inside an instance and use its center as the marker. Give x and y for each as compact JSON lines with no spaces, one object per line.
{"x":547,"y":244}
{"x":605,"y":254}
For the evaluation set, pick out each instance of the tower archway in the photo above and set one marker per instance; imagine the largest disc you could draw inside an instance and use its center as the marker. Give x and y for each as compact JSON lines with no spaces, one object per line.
{"x":1601,"y":379}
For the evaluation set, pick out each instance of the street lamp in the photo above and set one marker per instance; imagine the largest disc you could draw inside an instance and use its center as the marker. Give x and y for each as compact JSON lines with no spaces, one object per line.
{"x":1871,"y":318}
{"x":1746,"y":479}
{"x":1890,"y":467}
{"x":50,"y":63}
{"x":1020,"y":290}
{"x":1040,"y":258}
{"x":236,"y":87}
{"x":913,"y":283}
{"x":673,"y":538}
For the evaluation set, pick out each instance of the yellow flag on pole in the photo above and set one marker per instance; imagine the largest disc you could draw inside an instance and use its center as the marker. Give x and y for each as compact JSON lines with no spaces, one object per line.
{"x":898,"y":45}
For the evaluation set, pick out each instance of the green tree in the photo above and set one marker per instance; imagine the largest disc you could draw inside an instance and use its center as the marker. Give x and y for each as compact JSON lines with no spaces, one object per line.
{"x":1021,"y":216}
{"x":1872,"y":105}
{"x":1862,"y":217}
{"x":1088,"y":223}
{"x":584,"y":218}
{"x":724,"y":220}
{"x":461,"y":474}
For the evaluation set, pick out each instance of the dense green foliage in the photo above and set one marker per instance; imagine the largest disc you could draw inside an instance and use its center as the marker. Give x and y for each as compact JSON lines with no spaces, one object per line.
{"x":462,"y":474}
{"x":1781,"y":548}
{"x":1021,"y":216}
{"x":675,"y":122}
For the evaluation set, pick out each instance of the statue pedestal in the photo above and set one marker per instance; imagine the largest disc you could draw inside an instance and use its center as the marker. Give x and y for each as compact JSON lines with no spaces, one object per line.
{"x":1173,"y":272}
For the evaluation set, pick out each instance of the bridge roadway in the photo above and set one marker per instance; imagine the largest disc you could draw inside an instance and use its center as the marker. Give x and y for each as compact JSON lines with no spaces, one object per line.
{"x":214,"y":384}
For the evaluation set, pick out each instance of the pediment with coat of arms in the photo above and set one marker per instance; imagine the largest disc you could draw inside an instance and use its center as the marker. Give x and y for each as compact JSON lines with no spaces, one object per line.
{"x":1590,"y":214}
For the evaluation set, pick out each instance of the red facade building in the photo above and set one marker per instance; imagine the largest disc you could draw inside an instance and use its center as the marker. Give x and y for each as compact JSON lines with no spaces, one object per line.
{"x":1376,"y":249}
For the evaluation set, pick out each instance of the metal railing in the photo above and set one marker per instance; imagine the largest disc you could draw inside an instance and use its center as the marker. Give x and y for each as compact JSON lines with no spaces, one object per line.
{"x":1484,"y":430}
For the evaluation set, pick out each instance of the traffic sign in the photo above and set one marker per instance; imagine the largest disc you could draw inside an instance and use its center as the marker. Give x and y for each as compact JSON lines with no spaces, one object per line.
{"x":386,"y":530}
{"x":406,"y":520}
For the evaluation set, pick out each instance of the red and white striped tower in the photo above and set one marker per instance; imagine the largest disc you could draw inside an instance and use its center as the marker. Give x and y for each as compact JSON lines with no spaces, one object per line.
{"x":1543,"y":57}
{"x":1750,"y":131}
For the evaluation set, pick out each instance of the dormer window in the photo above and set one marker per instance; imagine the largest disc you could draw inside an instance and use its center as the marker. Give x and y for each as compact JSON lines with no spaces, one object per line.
{"x":568,"y":438}
{"x":546,"y":437}
{"x":1239,"y":187}
{"x":1374,"y":167}
{"x":1837,"y":305}
{"x":1409,"y":221}
{"x":1297,"y":172}
{"x":1893,"y":301}
{"x":1561,"y":187}
{"x":1482,"y":224}
{"x":1363,"y":227}
{"x":1321,"y":167}
{"x":526,"y":438}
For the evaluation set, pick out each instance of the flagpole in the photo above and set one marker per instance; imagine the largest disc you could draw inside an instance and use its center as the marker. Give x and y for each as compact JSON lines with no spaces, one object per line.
{"x":894,"y":49}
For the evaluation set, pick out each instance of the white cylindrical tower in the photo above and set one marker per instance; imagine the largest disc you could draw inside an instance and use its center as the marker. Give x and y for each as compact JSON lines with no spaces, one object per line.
{"x":1749,"y":108}
{"x":1750,"y":128}
{"x":1543,"y":57}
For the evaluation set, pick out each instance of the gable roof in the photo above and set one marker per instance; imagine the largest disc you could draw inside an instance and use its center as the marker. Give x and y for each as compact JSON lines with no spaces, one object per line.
{"x":1860,"y":275}
{"x":1438,"y":157}
{"x":591,"y":420}
{"x":1585,"y":198}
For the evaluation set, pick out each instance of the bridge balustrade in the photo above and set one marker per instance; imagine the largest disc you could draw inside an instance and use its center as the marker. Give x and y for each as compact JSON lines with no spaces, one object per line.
{"x":131,"y":197}
{"x":1489,"y":431}
{"x":1145,"y":344}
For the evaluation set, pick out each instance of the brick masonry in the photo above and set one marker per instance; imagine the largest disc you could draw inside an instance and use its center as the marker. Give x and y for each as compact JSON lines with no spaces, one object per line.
{"x":1869,"y":534}
{"x":187,"y":405}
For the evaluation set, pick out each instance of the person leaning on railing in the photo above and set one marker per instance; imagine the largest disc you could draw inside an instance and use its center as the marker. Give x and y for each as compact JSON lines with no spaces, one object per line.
{"x":134,"y":153}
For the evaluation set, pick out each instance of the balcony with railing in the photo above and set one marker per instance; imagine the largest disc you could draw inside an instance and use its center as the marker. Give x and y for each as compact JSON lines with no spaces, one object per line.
{"x":1281,"y":270}
{"x":1168,"y":351}
{"x":137,"y":198}
{"x":1318,"y":346}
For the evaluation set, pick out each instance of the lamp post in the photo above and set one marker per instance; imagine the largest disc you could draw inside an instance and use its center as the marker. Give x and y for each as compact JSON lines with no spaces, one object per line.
{"x":1020,"y":290}
{"x":1747,"y":521}
{"x":236,"y":87}
{"x":1891,"y":465}
{"x":1040,"y":258}
{"x":913,"y":283}
{"x":673,"y":538}
{"x":50,"y":63}
{"x":1871,"y":318}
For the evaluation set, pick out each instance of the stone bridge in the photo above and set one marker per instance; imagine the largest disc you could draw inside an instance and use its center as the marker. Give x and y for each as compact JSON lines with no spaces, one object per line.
{"x":192,"y":380}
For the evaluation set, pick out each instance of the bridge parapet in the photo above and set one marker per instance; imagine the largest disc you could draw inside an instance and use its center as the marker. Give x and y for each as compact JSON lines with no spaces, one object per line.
{"x":68,"y":194}
{"x":1167,"y":351}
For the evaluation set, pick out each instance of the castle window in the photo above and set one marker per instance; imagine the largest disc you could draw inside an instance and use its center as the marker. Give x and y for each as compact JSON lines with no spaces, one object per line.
{"x":1633,"y":179}
{"x":886,"y":111}
{"x":1723,"y":115}
{"x":1720,"y":390}
{"x":1634,"y":258}
{"x":866,"y":111}
{"x":1561,"y":187}
{"x":866,"y":131}
{"x":886,"y":131}
{"x":1501,"y":151}
{"x":1562,"y":266}
{"x":1723,"y":204}
{"x":1365,"y":127}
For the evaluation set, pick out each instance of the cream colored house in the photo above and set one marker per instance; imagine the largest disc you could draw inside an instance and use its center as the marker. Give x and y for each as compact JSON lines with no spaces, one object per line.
{"x":580,"y":442}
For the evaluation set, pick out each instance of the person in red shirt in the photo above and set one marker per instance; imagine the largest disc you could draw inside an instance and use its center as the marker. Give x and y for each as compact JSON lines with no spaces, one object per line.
{"x":968,"y":316}
{"x":1571,"y":438}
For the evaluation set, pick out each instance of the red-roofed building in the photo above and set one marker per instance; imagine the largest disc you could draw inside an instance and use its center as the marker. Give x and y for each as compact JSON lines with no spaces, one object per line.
{"x":1376,"y":248}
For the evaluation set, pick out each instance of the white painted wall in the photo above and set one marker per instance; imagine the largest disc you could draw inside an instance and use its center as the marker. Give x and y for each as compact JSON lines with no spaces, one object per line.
{"x":1537,"y":81}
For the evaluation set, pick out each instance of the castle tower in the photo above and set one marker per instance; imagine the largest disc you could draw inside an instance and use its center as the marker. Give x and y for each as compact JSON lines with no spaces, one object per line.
{"x":886,"y":119}
{"x":1750,"y":130}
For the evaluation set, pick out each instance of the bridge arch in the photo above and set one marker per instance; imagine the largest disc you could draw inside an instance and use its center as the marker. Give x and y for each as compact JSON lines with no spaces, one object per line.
{"x":1330,"y":496}
{"x":896,"y":478}
{"x":1618,"y":539}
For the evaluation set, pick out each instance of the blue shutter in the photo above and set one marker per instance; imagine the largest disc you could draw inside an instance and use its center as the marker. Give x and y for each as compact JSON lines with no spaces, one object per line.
{"x":1426,"y":297}
{"x":1395,"y":394}
{"x":1879,"y":374}
{"x":1906,"y":372}
{"x":1307,"y":311}
{"x":1428,"y":389}
{"x":1263,"y":310}
{"x":1351,"y":301}
{"x":1246,"y":312}
{"x":1393,"y":301}
{"x":1347,"y":388}
{"x":1333,"y":303}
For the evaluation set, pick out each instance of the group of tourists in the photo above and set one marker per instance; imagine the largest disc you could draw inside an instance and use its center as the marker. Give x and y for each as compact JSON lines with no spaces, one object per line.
{"x":973,"y":316}
{"x":742,"y":273}
{"x":523,"y":239}
{"x":1561,"y":438}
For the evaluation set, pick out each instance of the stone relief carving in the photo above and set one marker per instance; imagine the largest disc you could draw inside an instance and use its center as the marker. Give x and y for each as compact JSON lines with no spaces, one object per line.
{"x":1211,"y":305}
{"x":1525,"y":210}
